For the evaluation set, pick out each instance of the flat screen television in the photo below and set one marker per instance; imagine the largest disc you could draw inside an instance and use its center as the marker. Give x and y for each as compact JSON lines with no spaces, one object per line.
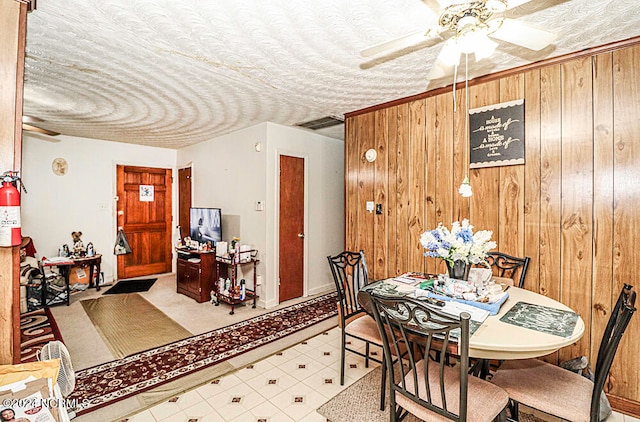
{"x":205,"y":225}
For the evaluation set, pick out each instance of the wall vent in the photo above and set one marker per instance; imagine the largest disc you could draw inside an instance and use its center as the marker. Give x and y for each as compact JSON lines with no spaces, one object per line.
{"x":322,"y":123}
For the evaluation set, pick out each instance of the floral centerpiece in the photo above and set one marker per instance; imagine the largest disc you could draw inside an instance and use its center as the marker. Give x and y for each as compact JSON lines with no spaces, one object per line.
{"x":458,"y":247}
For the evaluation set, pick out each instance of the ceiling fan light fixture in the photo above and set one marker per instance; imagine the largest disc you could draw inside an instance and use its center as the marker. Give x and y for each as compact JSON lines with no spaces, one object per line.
{"x":465,"y":189}
{"x":450,"y":54}
{"x":467,"y":42}
{"x":484,"y":47}
{"x":496,"y":6}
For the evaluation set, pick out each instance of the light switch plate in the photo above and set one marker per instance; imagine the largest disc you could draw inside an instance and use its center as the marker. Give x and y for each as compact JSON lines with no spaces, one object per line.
{"x":370,"y":206}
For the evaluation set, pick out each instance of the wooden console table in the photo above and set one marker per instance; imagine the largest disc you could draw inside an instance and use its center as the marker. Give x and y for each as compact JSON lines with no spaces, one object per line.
{"x":64,"y":268}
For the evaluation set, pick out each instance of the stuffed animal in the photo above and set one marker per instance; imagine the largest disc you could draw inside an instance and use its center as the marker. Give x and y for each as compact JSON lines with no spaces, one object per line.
{"x":78,"y":245}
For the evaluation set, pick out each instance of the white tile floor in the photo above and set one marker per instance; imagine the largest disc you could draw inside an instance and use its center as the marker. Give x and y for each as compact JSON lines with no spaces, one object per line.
{"x":285,"y":387}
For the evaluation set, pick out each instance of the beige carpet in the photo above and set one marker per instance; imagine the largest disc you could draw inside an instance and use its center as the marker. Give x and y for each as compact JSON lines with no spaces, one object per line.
{"x":361,"y":402}
{"x":129,"y":324}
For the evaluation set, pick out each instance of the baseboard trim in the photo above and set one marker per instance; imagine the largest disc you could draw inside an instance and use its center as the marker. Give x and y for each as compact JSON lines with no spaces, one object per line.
{"x":325,"y":288}
{"x":626,"y":406}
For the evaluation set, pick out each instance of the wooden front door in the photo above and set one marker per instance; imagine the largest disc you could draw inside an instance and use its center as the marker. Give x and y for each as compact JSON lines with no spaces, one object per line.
{"x":291,"y":227}
{"x":184,"y":200}
{"x":144,"y":213}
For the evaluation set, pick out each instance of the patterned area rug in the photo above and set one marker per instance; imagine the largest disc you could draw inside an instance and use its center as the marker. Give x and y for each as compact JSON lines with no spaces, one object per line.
{"x":110,"y":382}
{"x":37,"y":328}
{"x":361,"y":402}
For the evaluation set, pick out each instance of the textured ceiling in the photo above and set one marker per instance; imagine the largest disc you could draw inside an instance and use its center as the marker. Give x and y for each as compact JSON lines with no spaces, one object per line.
{"x":172,"y":73}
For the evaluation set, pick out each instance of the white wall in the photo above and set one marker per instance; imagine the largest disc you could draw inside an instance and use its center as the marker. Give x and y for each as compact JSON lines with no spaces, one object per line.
{"x":324,"y":196}
{"x":83,"y":199}
{"x":229,"y":173}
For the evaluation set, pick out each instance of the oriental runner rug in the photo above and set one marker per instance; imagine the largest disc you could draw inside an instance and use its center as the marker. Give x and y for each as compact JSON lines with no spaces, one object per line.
{"x":37,"y":328}
{"x":108,"y":383}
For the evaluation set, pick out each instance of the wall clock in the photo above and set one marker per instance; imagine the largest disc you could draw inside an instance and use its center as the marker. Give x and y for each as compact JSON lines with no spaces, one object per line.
{"x":59,"y":166}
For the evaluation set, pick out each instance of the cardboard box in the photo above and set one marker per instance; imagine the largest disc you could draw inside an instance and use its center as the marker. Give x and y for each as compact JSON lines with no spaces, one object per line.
{"x":79,"y":274}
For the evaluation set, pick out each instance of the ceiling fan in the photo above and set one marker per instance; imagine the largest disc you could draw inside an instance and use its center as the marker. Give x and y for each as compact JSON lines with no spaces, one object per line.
{"x":469,"y":27}
{"x":29,"y":124}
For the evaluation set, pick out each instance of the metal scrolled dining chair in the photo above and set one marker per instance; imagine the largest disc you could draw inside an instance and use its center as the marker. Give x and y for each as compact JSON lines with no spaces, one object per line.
{"x":560,"y":392}
{"x":507,"y":266}
{"x":427,"y":388}
{"x":350,"y":274}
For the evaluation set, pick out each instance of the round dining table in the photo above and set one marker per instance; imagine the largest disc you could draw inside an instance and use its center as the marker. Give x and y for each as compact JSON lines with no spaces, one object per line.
{"x":497,"y":339}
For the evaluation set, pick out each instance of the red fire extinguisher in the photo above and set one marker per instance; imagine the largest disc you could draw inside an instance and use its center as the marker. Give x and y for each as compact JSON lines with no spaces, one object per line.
{"x":10,"y":210}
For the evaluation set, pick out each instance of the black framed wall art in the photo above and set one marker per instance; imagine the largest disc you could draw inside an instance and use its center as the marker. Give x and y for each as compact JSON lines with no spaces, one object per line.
{"x":496,"y":135}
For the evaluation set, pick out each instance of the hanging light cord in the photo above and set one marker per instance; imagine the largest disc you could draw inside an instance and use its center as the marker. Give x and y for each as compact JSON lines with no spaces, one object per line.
{"x":466,"y":120}
{"x":465,"y":188}
{"x":455,"y":77}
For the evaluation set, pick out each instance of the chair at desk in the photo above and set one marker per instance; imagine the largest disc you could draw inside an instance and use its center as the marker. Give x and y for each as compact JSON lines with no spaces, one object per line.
{"x":560,"y":392}
{"x":349,"y":270}
{"x":506,"y":266}
{"x":428,"y":389}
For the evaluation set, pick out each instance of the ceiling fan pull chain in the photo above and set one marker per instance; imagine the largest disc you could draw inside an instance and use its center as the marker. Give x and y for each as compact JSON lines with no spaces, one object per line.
{"x":455,"y":77}
{"x":466,"y":81}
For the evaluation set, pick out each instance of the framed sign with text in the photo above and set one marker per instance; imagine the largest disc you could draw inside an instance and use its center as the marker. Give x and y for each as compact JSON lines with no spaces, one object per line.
{"x":496,"y":135}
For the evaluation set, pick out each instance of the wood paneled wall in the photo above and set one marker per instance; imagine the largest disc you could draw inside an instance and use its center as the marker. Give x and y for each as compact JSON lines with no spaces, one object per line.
{"x":573,"y":208}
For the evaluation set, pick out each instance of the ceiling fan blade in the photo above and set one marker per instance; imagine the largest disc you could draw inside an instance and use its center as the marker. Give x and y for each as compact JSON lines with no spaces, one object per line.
{"x":438,"y":70}
{"x":31,"y":128}
{"x":519,"y":33}
{"x":400,"y":43}
{"x":520,"y":8}
{"x":446,"y":3}
{"x":31,"y":119}
{"x":515,"y":3}
{"x":436,"y":5}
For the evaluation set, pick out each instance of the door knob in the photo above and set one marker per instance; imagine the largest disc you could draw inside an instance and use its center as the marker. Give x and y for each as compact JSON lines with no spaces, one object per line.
{"x":301,"y":235}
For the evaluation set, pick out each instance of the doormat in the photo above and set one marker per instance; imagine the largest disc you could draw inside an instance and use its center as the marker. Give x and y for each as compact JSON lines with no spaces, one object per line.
{"x":37,"y":328}
{"x":131,"y":286}
{"x":117,"y":320}
{"x":108,"y":383}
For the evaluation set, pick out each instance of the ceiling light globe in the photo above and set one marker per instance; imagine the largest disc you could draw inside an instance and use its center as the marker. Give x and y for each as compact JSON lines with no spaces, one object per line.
{"x":450,"y":54}
{"x":465,"y":189}
{"x":467,"y":42}
{"x":484,"y":47}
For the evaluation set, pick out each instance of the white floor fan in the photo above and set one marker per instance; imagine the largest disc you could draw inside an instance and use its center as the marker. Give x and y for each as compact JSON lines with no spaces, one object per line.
{"x":470,"y":27}
{"x":66,"y":376}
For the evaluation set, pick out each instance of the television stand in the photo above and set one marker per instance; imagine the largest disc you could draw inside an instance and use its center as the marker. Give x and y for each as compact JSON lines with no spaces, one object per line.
{"x":196,"y":273}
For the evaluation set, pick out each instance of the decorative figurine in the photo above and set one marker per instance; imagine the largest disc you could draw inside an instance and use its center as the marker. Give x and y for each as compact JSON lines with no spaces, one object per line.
{"x":78,"y":246}
{"x":64,"y":251}
{"x":90,"y":250}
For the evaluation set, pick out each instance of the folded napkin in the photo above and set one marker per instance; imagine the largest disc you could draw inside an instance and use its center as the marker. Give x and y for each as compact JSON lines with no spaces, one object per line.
{"x":492,"y":308}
